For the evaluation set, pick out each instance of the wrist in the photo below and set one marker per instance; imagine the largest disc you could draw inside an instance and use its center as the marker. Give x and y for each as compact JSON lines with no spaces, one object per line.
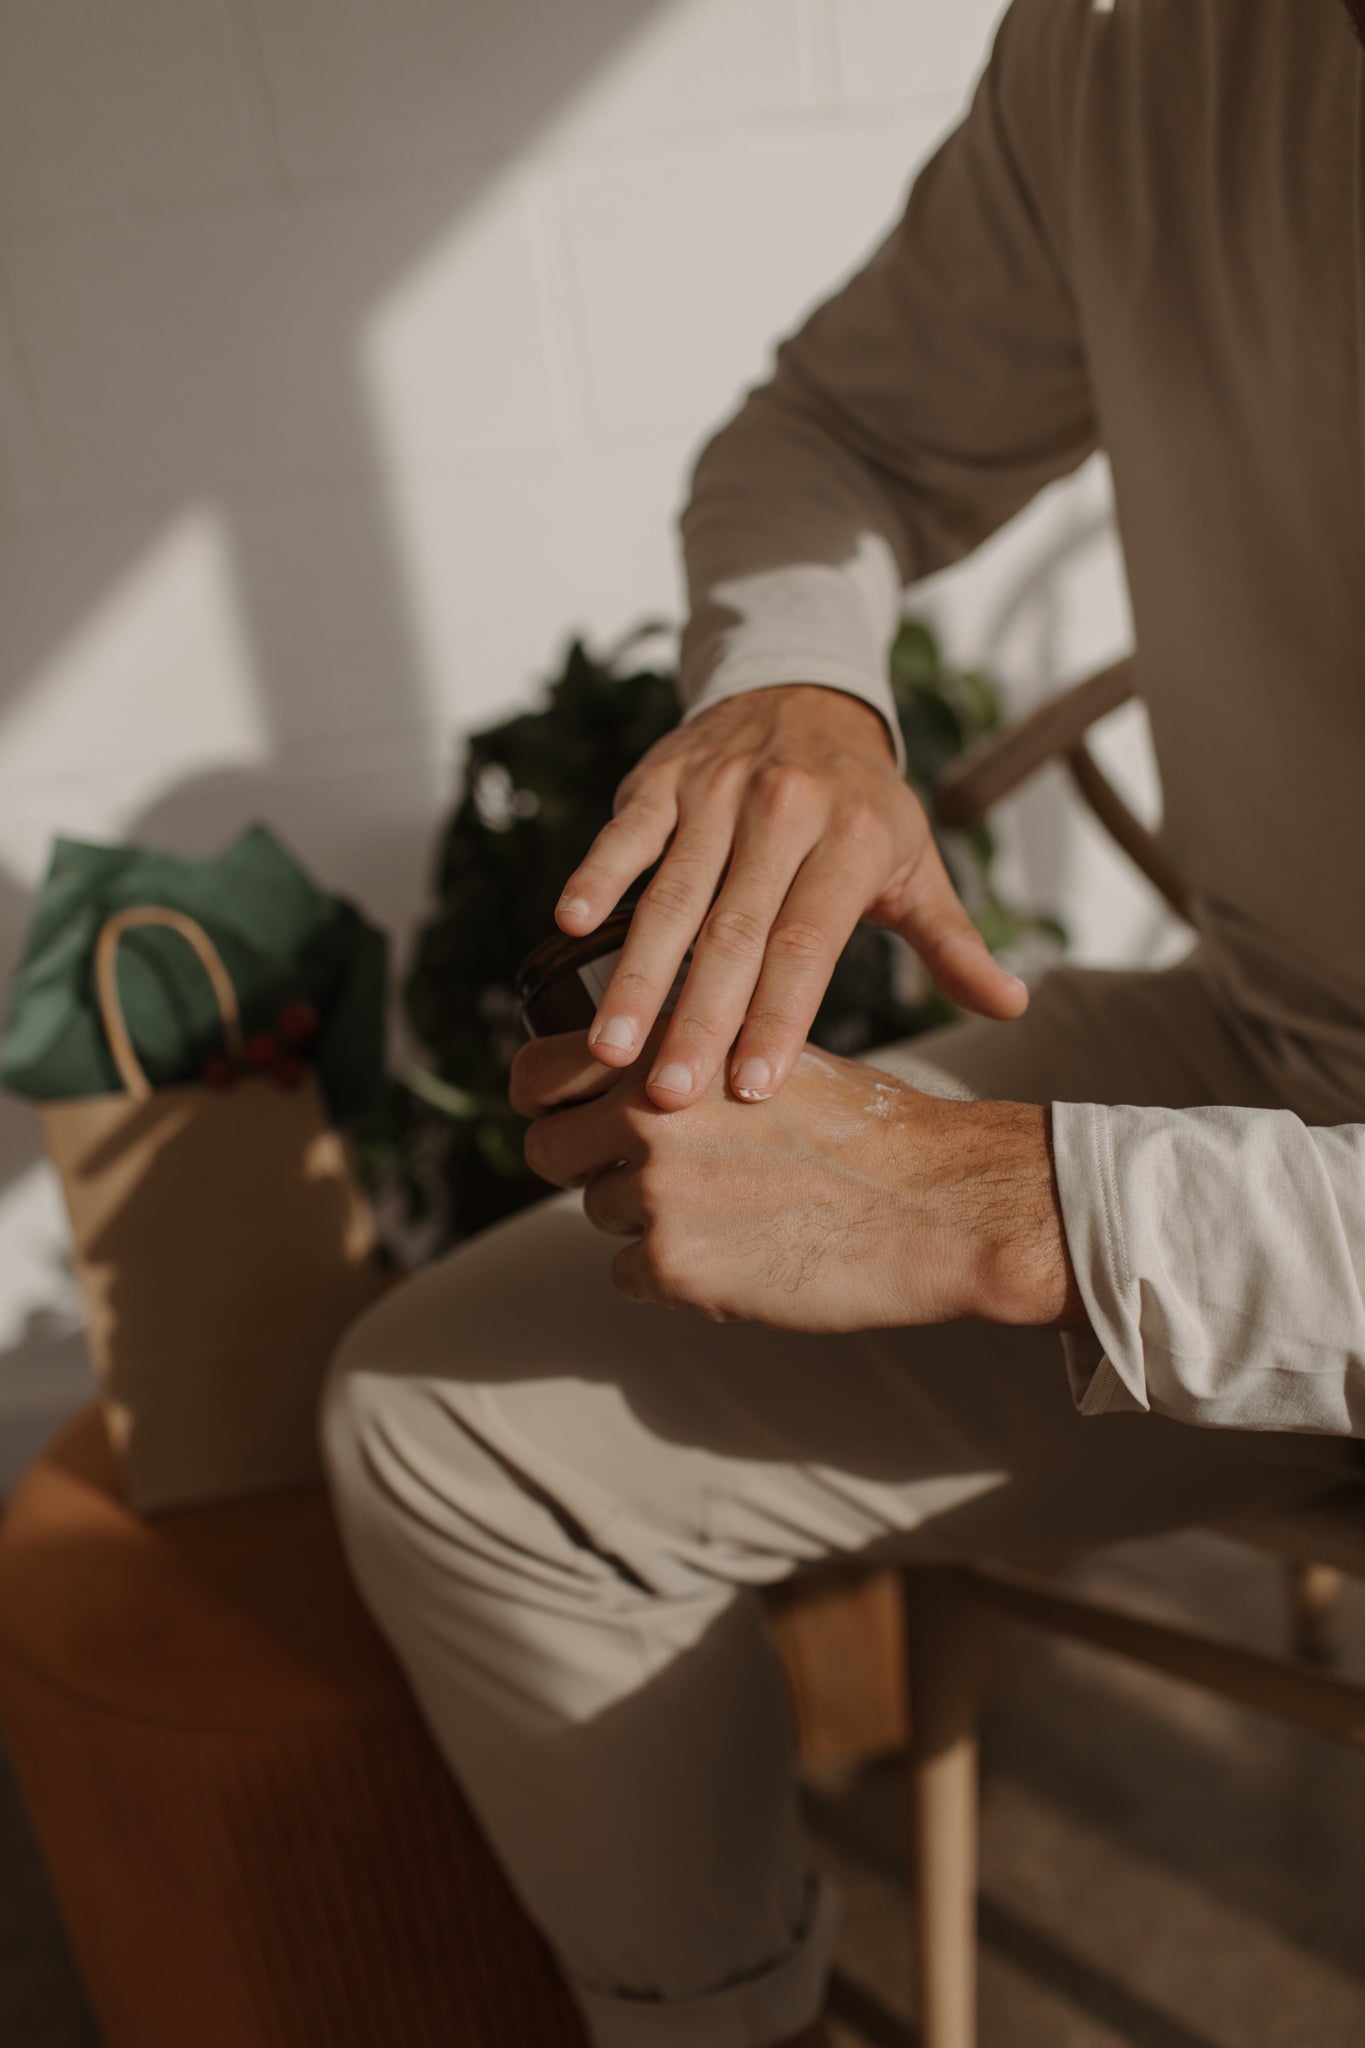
{"x":1020,"y":1268}
{"x":856,"y":719}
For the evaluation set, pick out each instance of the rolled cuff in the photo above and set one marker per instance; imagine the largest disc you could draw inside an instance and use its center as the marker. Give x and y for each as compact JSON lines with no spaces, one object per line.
{"x":1218,"y":1251}
{"x":1104,"y":1364}
{"x":778,"y":2000}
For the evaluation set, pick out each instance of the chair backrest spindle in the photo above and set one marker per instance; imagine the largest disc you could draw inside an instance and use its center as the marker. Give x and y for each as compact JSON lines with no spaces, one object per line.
{"x":999,"y":764}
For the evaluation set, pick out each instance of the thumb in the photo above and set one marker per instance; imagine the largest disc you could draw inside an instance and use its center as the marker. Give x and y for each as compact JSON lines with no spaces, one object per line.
{"x":927,"y":912}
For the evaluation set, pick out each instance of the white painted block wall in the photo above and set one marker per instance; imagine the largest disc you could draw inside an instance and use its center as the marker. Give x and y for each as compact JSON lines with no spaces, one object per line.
{"x":350,"y":356}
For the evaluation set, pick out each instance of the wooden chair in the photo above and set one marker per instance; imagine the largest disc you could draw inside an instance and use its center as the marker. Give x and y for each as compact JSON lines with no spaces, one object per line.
{"x":952,"y":1614}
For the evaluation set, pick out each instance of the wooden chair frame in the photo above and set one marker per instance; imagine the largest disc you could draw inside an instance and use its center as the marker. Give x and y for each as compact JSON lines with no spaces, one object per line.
{"x":953,"y":1614}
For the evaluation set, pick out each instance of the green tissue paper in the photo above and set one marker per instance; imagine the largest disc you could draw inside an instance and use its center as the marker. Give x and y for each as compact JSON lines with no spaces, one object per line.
{"x":281,"y":939}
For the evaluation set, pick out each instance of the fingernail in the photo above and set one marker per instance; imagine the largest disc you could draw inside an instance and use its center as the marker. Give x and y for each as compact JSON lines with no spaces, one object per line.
{"x":617,"y":1031}
{"x":1022,"y":986}
{"x":676,"y":1078}
{"x":574,"y":906}
{"x":753,"y":1080}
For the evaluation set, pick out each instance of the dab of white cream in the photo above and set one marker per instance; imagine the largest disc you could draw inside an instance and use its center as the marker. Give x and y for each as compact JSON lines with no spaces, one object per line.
{"x":813,"y":1059}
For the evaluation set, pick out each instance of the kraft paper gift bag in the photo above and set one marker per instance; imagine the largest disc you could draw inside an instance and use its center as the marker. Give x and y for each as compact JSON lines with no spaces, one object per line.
{"x":281,"y":937}
{"x":222,"y":1246}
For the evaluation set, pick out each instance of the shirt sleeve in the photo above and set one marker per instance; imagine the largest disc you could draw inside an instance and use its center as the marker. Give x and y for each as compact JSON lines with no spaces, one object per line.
{"x":1221,"y":1256}
{"x":914,"y":413}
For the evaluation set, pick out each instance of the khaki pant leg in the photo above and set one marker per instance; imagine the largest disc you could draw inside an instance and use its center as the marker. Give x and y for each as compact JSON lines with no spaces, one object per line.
{"x":558,"y":1504}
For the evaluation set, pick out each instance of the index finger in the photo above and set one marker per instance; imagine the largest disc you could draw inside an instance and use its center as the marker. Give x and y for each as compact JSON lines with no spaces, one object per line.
{"x":809,"y":933}
{"x":666,"y":921}
{"x":550,"y":1071}
{"x":581,"y":1140}
{"x":630,"y":841}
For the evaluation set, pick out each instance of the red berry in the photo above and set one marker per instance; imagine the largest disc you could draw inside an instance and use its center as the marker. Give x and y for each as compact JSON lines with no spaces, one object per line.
{"x":218,"y":1071}
{"x":262,"y":1051}
{"x":297,"y":1023}
{"x":289,"y":1073}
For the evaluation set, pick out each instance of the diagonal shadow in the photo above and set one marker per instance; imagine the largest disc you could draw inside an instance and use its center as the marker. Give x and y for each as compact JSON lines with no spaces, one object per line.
{"x":1010,"y":1938}
{"x":1035,"y":1955}
{"x":514,"y":59}
{"x":518,"y":69}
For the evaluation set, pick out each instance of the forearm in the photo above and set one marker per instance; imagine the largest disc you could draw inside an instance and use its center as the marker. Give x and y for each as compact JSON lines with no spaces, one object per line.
{"x":795,"y":560}
{"x":913,"y":414}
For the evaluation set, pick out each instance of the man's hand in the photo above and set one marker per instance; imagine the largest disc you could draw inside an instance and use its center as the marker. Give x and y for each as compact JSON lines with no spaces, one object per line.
{"x":849,"y":1202}
{"x":785,"y":823}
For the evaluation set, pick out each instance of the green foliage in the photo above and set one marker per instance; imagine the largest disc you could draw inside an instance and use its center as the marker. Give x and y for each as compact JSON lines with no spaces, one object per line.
{"x":537,"y":788}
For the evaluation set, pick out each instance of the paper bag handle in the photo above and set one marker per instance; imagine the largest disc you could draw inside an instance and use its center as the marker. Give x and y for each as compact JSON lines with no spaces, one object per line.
{"x":106,"y":986}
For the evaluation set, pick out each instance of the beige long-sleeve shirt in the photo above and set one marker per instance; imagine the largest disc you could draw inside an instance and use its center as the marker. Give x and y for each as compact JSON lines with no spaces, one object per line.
{"x":1148,"y":236}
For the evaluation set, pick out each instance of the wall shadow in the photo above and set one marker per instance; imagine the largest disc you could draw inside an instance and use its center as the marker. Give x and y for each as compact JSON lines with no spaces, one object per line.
{"x":520,"y":65}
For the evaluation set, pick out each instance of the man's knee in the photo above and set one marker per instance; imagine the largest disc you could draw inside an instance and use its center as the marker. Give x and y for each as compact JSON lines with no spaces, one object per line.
{"x":350,"y":1438}
{"x":394,"y":1416}
{"x":438,"y":1502}
{"x":344,"y":1422}
{"x":408,"y":1480}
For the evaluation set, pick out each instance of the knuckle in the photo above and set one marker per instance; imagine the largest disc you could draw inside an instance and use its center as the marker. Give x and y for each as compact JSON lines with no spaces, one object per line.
{"x":950,"y":929}
{"x":860,"y":832}
{"x":636,"y":1118}
{"x":783,"y":788}
{"x":521,"y":1086}
{"x":598,"y":870}
{"x":533,"y":1149}
{"x":632,"y":987}
{"x":772,"y":1024}
{"x":656,"y":1182}
{"x":692,"y":855}
{"x":661,"y":1263}
{"x":670,"y":896}
{"x":630,"y":1275}
{"x":800,"y":940}
{"x":737,"y":934}
{"x":693,"y":1031}
{"x":727,"y":778}
{"x":621,"y":831}
{"x":640,"y":794}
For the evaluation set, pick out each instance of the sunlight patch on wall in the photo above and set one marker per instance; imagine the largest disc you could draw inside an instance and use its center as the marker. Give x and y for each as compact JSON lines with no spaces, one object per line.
{"x":157,"y":680}
{"x":688,"y":67}
{"x":457,"y":363}
{"x":34,"y":1237}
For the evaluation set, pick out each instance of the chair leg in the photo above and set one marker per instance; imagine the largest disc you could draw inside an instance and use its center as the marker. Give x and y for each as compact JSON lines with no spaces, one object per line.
{"x":1314,"y":1590}
{"x":948,"y":1639}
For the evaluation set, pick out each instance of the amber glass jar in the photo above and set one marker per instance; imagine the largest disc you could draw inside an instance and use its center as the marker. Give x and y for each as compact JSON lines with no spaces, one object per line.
{"x":561,"y":983}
